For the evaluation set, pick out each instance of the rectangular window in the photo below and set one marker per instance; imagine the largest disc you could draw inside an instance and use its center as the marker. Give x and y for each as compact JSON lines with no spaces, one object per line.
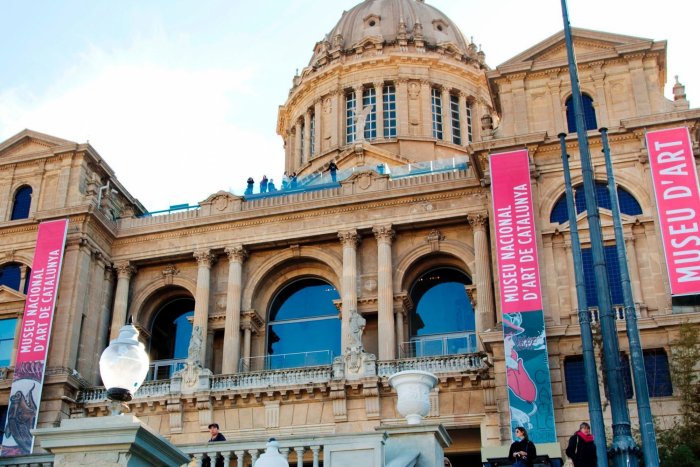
{"x":657,"y":372}
{"x":369,"y":105}
{"x":575,"y":375}
{"x":436,"y":108}
{"x":389,"y":98}
{"x":470,"y":132}
{"x":614,"y":278}
{"x":454,"y":119}
{"x":350,"y":105}
{"x":312,"y":136}
{"x":7,"y":340}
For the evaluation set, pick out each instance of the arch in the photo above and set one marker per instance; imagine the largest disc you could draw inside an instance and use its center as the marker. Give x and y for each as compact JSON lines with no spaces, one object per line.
{"x":21,"y":203}
{"x":143,"y":305}
{"x":11,"y":276}
{"x":628,"y":203}
{"x":459,"y":250}
{"x":254,"y":283}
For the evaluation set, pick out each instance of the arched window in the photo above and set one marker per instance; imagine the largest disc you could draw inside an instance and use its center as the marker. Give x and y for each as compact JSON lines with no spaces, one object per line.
{"x":588,"y":113}
{"x":303,"y":327}
{"x":170,"y":336}
{"x":21,"y":203}
{"x":628,"y":204}
{"x":443,"y":319}
{"x":11,"y":276}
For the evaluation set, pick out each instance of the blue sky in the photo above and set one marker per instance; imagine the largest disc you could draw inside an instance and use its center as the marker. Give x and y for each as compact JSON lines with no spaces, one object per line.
{"x":180,"y":97}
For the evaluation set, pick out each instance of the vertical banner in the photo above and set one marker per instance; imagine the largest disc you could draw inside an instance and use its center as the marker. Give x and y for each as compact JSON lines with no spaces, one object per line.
{"x":678,"y":204}
{"x":525,"y":343}
{"x":34,"y":335}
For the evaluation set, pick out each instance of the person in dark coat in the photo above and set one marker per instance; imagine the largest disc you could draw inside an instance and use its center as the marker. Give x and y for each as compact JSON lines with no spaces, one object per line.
{"x":263,"y":184}
{"x":522,"y":448}
{"x":581,"y":449}
{"x":332,"y":168}
{"x":249,"y":186}
{"x":214,"y":437}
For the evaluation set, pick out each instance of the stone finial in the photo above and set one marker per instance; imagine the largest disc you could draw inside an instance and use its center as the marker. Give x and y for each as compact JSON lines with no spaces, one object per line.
{"x":679,"y":97}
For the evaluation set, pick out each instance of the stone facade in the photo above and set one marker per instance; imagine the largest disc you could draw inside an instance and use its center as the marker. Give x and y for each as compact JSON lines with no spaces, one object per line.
{"x":371,"y":236}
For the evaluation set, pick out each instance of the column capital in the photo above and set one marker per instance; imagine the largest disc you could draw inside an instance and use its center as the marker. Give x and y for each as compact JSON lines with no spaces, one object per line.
{"x":125,"y":269}
{"x":236,"y":253}
{"x":378,"y":84}
{"x":478,"y":220}
{"x":384,"y":233}
{"x":204,"y":258}
{"x":349,"y":238}
{"x":251,"y":321}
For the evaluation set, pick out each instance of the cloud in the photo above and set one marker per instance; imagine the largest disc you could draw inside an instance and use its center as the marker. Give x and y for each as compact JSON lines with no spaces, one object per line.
{"x":166,"y":130}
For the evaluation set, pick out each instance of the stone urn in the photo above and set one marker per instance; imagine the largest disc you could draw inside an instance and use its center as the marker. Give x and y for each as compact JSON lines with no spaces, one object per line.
{"x":413,"y":389}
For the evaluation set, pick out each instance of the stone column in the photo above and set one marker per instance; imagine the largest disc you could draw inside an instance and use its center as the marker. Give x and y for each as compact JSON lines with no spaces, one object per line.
{"x":232,"y":327}
{"x":601,"y":106}
{"x":446,"y":115}
{"x":485,"y":314}
{"x":317,"y":127}
{"x":427,"y":109}
{"x":103,"y":327}
{"x":121,"y":297}
{"x":402,"y":107}
{"x":205,"y":260}
{"x":350,"y":239}
{"x":385,"y":292}
{"x":22,"y":277}
{"x":554,"y":89}
{"x":401,"y":308}
{"x":307,"y":138}
{"x":378,"y":92}
{"x":463,"y":130}
{"x":247,"y":334}
{"x":359,"y":107}
{"x":298,"y":156}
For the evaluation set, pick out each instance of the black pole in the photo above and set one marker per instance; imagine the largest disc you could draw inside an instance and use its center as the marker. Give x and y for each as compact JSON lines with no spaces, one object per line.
{"x":595,"y":411}
{"x":623,"y":449}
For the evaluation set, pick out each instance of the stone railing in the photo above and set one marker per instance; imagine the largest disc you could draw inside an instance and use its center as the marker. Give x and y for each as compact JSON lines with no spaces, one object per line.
{"x":262,"y":379}
{"x":462,"y":363}
{"x":471,"y":363}
{"x":33,"y":460}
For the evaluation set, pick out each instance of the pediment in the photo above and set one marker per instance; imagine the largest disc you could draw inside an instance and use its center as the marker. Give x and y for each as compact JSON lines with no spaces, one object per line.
{"x":365,"y":154}
{"x":30,"y":142}
{"x":8,"y":295}
{"x":587,"y":43}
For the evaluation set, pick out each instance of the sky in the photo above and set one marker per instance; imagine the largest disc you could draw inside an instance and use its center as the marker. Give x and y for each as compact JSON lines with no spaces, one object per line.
{"x":180,"y":97}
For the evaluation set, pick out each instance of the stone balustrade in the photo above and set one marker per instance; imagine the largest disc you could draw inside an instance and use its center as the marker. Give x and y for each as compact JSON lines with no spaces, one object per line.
{"x":33,"y":460}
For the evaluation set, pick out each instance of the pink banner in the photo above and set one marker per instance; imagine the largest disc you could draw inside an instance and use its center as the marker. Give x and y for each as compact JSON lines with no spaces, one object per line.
{"x":514,"y":225}
{"x":675,"y":179}
{"x":33,"y":344}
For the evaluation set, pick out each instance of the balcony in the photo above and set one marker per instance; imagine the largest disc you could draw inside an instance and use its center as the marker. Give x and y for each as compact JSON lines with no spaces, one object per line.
{"x":288,"y":360}
{"x":439,"y":345}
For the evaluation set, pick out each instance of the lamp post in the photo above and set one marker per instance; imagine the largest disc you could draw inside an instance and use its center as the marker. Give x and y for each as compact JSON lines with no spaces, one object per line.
{"x":123,"y":366}
{"x":623,"y":450}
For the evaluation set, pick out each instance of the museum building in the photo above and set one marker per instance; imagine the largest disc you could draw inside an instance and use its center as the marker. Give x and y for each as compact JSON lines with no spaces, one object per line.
{"x":284,"y":313}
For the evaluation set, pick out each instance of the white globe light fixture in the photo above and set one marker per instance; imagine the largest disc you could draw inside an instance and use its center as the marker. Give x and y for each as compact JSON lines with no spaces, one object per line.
{"x":124,"y":365}
{"x":272,"y":457}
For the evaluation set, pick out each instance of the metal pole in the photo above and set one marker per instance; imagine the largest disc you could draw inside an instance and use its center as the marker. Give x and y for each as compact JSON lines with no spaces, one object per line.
{"x":641,"y":390}
{"x":591,"y":375}
{"x":623,"y":449}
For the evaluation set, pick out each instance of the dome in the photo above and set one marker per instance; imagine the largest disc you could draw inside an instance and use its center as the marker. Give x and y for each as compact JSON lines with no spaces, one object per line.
{"x":393,"y":22}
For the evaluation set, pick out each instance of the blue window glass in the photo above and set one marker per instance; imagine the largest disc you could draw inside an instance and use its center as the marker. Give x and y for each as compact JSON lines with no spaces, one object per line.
{"x":11,"y":275}
{"x":389,"y":99}
{"x":588,"y":113}
{"x":171,"y":330}
{"x":575,"y":376}
{"x":454,"y":119}
{"x":312,"y":134}
{"x":22,"y":202}
{"x":304,"y":328}
{"x":443,"y":319}
{"x":7,"y":339}
{"x":436,"y":108}
{"x":614,"y":279}
{"x":350,"y":105}
{"x":628,"y":204}
{"x":369,"y":100}
{"x":657,"y":372}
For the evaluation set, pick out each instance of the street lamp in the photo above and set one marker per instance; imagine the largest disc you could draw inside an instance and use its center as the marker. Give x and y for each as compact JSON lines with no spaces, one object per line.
{"x":123,"y":366}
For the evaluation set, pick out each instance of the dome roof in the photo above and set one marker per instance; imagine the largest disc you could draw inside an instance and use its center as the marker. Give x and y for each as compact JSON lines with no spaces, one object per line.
{"x":392,"y":21}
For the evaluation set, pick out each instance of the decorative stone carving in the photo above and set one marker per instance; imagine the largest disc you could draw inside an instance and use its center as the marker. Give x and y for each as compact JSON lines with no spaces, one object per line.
{"x":371,"y":395}
{"x":195,"y":347}
{"x":413,"y":388}
{"x":349,"y":238}
{"x":272,"y":414}
{"x":204,"y":258}
{"x":433,"y":239}
{"x":237,"y":253}
{"x":125,"y":269}
{"x":384,"y":233}
{"x":340,"y":409}
{"x":169,"y":272}
{"x":357,"y":327}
